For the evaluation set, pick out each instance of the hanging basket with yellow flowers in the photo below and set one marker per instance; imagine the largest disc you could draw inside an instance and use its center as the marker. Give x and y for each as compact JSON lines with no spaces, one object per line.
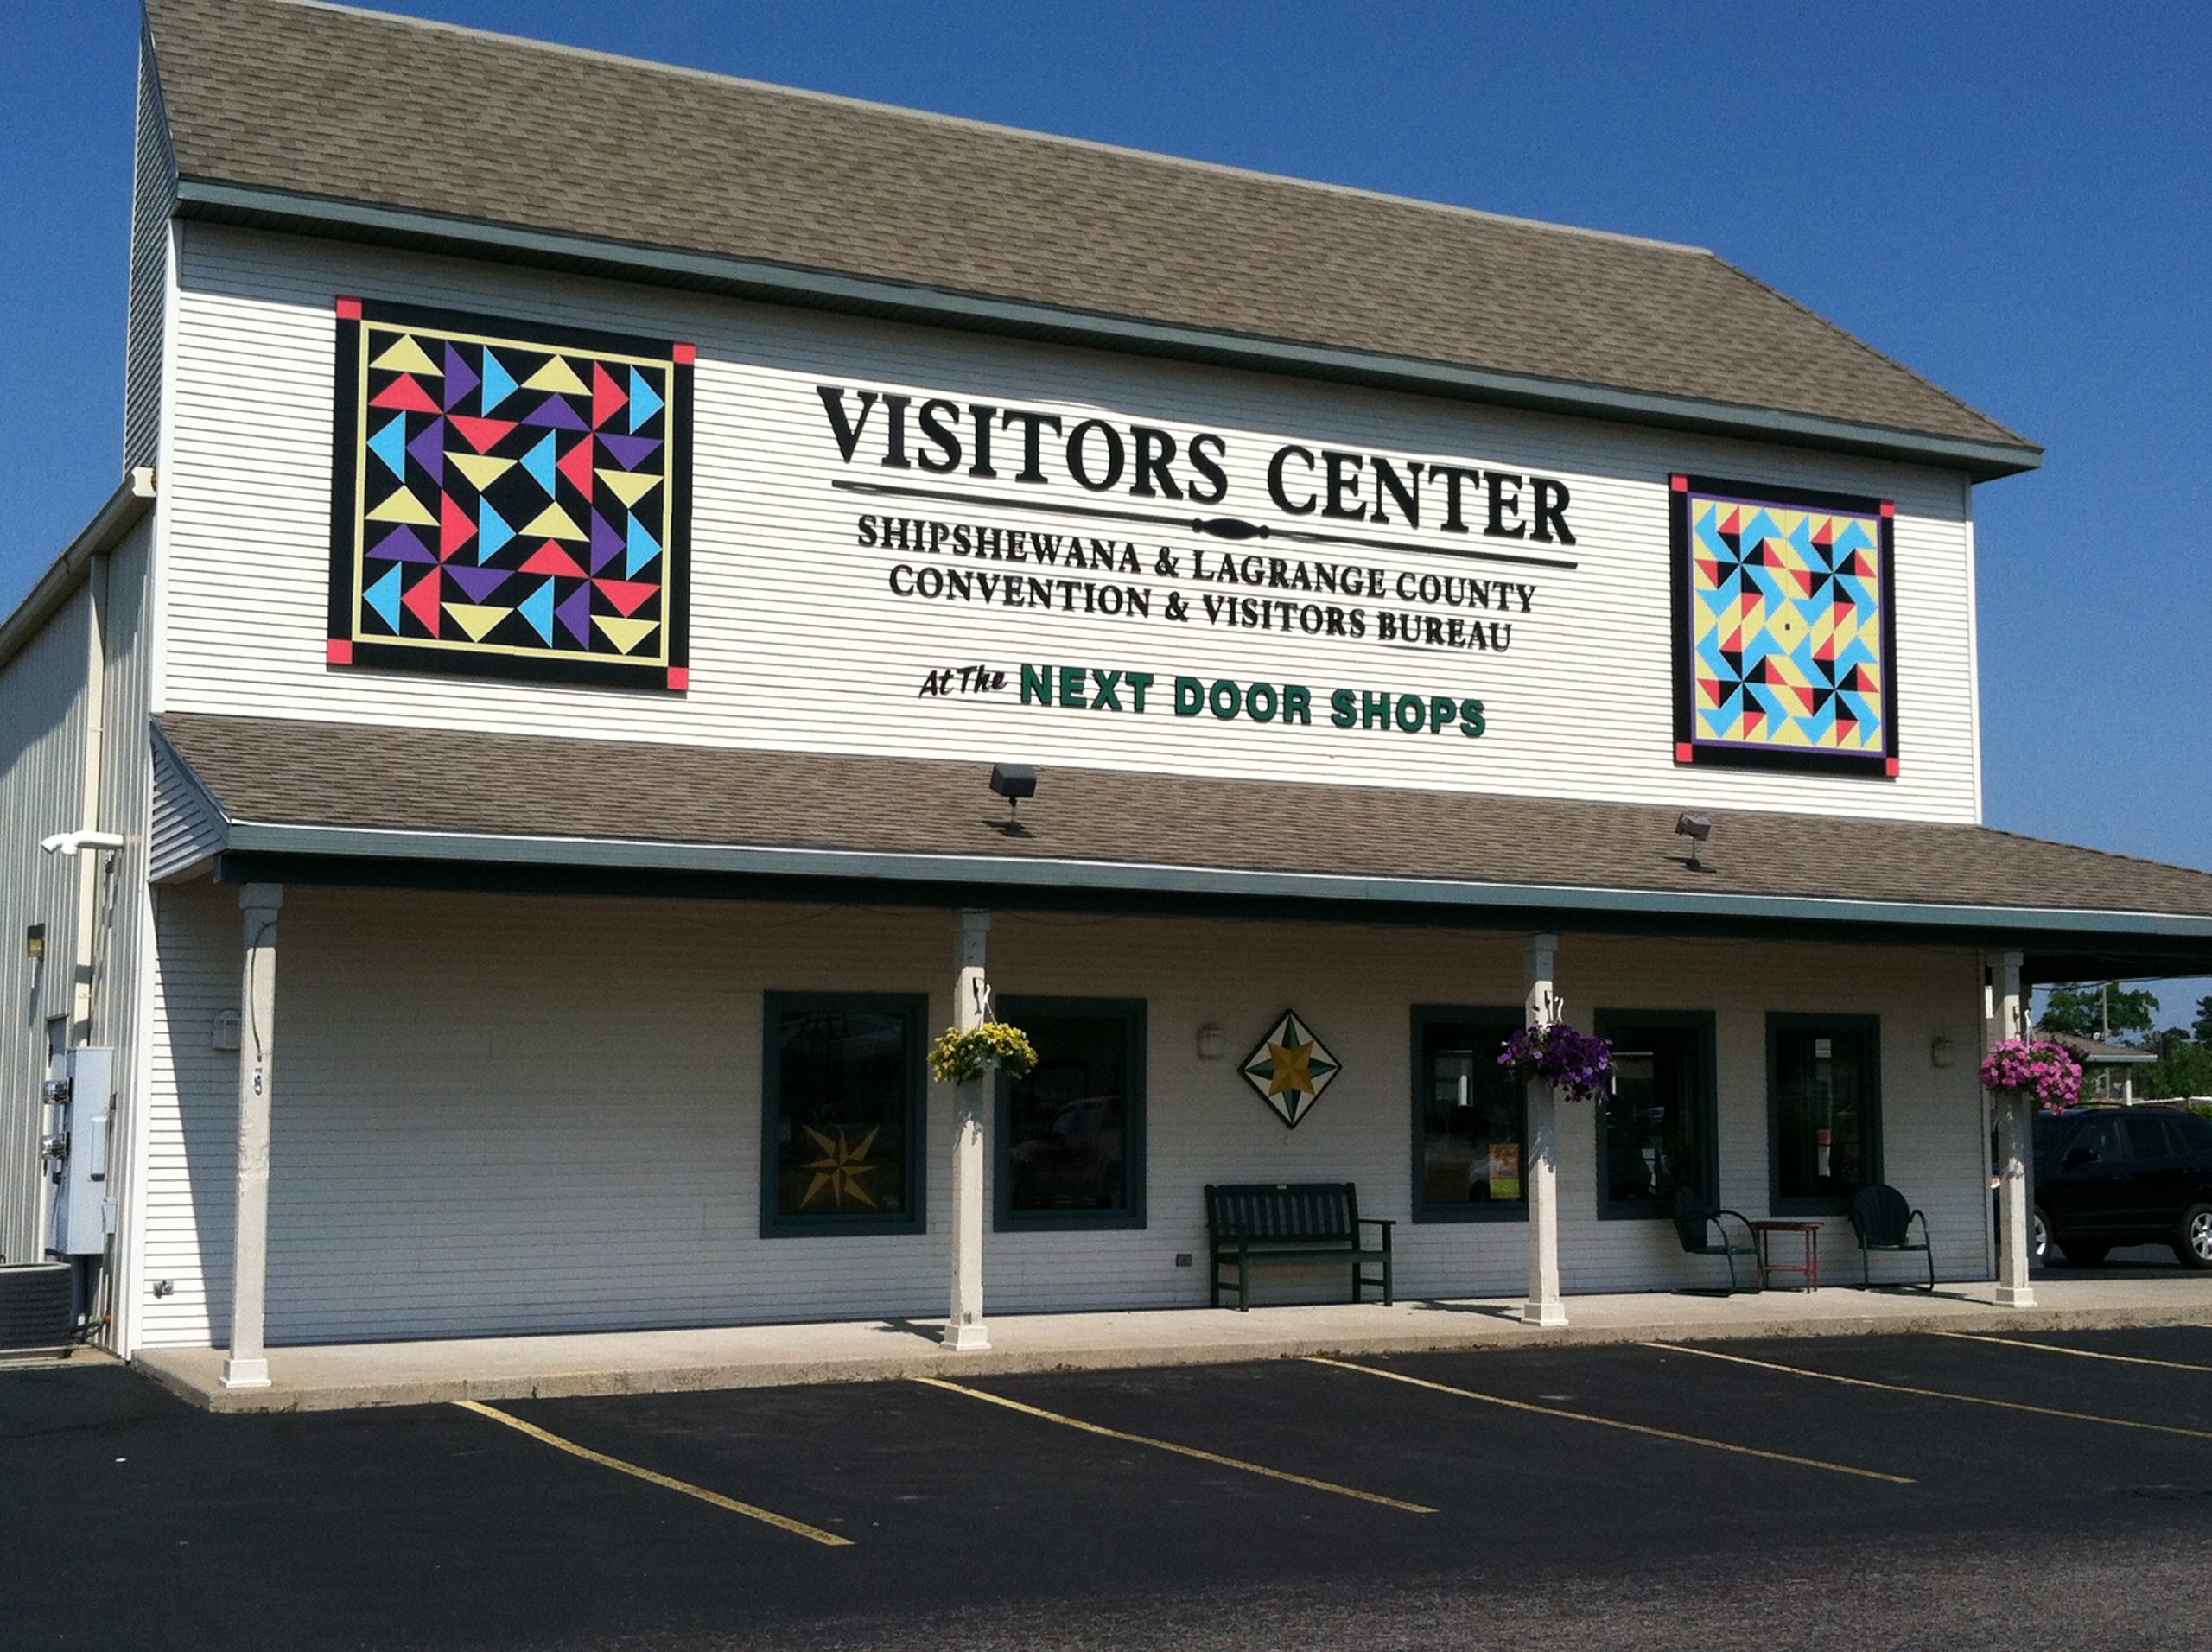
{"x":993,"y":1046}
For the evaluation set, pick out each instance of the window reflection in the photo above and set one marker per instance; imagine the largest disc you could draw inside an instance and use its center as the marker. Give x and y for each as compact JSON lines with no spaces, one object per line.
{"x":1655,"y":1129}
{"x":1069,"y":1145}
{"x":1825,"y":1103}
{"x":1472,"y":1120}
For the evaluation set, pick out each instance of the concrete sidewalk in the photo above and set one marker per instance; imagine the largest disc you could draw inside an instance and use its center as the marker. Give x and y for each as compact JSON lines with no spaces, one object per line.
{"x":650,"y":1362}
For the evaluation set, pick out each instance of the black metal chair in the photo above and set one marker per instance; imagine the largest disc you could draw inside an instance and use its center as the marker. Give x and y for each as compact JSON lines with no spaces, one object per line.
{"x":1882,"y":1220}
{"x":1697,"y":1224}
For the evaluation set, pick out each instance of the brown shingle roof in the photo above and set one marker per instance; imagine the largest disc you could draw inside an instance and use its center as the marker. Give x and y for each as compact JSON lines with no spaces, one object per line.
{"x":348,"y":776}
{"x":364,"y":107}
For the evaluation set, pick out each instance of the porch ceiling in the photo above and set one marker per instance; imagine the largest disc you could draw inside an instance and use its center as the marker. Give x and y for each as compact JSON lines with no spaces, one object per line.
{"x":362,"y":801}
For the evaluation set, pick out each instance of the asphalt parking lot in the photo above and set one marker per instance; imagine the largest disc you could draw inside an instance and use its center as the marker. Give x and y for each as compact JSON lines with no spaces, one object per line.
{"x":2053,"y":1490}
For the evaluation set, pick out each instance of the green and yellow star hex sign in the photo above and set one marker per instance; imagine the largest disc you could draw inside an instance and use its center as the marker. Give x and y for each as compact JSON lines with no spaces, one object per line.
{"x":1290,"y":1068}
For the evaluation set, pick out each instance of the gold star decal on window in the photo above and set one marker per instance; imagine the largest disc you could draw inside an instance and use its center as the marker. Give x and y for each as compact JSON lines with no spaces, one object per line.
{"x":838,"y":1172}
{"x":1289,"y":1069}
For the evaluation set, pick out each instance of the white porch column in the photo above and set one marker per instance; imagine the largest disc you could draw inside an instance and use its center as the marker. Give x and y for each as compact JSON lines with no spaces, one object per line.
{"x":247,"y":1366}
{"x":2016,"y":1129}
{"x":1543,"y":1306}
{"x":971,"y":1003}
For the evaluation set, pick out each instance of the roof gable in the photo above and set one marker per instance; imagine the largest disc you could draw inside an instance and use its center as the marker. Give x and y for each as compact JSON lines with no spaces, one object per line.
{"x":323,"y":102}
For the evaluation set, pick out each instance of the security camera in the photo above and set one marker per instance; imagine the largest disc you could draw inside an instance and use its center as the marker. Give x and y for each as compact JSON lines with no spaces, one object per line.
{"x":71,"y":842}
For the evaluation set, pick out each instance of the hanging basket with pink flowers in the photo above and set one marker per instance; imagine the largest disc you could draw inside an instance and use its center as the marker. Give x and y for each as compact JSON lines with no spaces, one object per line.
{"x":2048,"y":1071}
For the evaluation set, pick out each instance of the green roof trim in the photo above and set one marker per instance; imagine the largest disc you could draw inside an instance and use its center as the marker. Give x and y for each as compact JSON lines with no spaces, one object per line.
{"x":1005,"y":871}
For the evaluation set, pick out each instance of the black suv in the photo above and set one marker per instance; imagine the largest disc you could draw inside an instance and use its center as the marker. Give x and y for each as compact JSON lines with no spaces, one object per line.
{"x":2113,"y":1176}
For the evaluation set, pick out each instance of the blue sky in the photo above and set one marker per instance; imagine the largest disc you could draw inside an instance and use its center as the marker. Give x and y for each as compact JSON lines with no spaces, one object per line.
{"x":2012,"y":199}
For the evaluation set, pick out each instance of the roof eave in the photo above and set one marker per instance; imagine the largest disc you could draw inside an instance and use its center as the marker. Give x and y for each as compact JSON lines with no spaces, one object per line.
{"x":1454,"y":899}
{"x":255,"y":206}
{"x":132,"y":498}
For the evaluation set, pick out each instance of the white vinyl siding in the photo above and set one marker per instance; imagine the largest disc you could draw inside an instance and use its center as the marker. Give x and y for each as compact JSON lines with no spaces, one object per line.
{"x":524,"y":1113}
{"x":797,"y":643}
{"x":45,"y":708}
{"x":153,"y":196}
{"x":186,"y":829}
{"x":126,"y":784}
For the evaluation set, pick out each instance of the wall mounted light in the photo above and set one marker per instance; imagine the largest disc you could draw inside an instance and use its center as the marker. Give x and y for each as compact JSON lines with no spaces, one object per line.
{"x":1942,"y":1052}
{"x":1213,"y":1043}
{"x":34,"y":941}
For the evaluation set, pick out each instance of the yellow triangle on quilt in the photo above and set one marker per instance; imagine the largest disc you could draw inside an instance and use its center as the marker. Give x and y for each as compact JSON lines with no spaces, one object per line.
{"x":407,"y":357}
{"x":625,"y":634}
{"x":402,"y":506}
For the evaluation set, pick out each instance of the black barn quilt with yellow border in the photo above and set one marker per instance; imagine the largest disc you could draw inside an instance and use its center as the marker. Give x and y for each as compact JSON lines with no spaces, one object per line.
{"x":510,"y":499}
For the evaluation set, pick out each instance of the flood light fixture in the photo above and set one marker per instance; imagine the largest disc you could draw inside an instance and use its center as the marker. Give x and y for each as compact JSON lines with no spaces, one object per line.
{"x":72,"y":843}
{"x":1697,"y":829}
{"x":1014,"y":782}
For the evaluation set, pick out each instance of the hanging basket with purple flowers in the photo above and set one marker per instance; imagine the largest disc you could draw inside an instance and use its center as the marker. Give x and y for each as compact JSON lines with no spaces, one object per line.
{"x":1578,"y":1065}
{"x":2049,"y":1073}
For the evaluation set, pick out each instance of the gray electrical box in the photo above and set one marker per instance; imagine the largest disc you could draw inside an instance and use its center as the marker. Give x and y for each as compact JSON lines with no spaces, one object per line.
{"x":81,"y":1118}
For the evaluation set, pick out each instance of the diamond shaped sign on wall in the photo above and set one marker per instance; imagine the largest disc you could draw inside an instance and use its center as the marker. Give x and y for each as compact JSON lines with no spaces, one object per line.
{"x":1290,"y":1068}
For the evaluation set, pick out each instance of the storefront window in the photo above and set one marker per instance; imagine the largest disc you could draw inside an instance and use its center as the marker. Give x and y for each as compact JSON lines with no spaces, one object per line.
{"x":841,"y":1101}
{"x":1824,"y":1095}
{"x":1470,"y":1120}
{"x":1656,"y":1131}
{"x":1071,"y":1135}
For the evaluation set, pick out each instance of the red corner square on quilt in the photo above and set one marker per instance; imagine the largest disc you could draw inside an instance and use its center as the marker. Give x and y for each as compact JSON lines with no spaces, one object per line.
{"x":338,"y":652}
{"x":349,"y":309}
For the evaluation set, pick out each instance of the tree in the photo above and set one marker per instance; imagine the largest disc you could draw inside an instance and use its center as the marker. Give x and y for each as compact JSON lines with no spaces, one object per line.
{"x":2204,"y":1020}
{"x":2082,"y":1010}
{"x":2184,"y":1070}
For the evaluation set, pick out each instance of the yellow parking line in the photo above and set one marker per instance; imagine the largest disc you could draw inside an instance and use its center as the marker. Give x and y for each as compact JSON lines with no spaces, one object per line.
{"x":1938,"y":1394}
{"x":1170,"y":1445}
{"x":799,"y":1529}
{"x":2079,"y":1353}
{"x":1611,"y":1422}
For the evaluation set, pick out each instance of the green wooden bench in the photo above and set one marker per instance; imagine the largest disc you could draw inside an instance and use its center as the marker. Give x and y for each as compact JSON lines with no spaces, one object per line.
{"x":1290,"y":1224}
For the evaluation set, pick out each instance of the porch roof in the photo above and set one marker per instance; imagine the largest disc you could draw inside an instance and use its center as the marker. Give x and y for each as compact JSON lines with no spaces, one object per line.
{"x":355,"y":802}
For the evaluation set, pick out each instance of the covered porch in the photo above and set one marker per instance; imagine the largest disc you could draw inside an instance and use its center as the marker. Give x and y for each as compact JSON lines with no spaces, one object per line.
{"x":494,"y":1080}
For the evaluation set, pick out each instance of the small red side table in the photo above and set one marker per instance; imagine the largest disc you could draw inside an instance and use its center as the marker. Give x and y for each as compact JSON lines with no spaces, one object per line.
{"x":1808,"y":1271}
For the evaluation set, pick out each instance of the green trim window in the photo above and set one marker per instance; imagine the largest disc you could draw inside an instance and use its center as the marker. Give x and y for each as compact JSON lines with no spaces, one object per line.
{"x":843,"y":1110}
{"x":1824,"y":1110}
{"x":1069,"y":1141}
{"x":1470,"y":1120}
{"x":1658,"y":1130}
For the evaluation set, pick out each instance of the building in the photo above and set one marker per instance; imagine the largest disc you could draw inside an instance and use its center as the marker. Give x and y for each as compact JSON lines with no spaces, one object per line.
{"x":590,"y":531}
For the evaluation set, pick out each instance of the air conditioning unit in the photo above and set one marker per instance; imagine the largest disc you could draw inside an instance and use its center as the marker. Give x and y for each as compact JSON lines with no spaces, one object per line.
{"x":36,"y":1311}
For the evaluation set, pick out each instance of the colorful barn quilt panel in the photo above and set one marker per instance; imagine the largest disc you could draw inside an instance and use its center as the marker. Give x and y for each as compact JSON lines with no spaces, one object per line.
{"x":1289,"y":1068}
{"x":510,"y":501}
{"x":1785,"y":628}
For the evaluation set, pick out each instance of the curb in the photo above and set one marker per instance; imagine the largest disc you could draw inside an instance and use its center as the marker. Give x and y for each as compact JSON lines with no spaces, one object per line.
{"x":927,"y":1360}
